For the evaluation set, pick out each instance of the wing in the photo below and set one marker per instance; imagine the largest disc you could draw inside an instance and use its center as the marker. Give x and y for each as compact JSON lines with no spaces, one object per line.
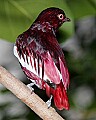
{"x":30,"y":59}
{"x":42,"y":56}
{"x":56,"y":64}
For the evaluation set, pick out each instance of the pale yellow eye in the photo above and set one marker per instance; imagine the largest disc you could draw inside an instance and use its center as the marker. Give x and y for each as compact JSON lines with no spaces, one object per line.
{"x":60,"y":16}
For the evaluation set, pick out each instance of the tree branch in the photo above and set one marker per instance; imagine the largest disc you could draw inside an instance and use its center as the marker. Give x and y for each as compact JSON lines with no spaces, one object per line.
{"x":23,"y":93}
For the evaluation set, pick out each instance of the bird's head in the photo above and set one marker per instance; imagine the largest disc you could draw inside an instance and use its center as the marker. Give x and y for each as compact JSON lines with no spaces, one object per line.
{"x":55,"y":16}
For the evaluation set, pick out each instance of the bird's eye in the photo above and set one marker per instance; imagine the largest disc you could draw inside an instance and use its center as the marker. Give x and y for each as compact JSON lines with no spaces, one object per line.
{"x":60,"y":16}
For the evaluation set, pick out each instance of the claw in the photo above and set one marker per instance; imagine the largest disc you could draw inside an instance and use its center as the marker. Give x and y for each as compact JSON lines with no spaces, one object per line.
{"x":30,"y":87}
{"x":49,"y":101}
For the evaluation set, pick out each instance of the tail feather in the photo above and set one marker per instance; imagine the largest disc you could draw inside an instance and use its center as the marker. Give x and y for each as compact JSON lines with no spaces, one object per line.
{"x":60,"y":98}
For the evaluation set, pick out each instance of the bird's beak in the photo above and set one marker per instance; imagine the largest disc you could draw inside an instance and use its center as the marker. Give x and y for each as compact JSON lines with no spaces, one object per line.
{"x":67,"y":20}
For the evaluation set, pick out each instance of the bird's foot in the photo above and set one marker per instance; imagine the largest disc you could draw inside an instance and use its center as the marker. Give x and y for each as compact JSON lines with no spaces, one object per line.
{"x":49,"y":101}
{"x":30,"y":86}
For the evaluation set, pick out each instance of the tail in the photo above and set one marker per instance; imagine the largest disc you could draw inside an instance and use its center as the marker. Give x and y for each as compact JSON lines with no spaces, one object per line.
{"x":59,"y":96}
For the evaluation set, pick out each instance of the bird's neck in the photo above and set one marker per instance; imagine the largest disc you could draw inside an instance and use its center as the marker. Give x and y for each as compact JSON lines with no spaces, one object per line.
{"x":44,"y":27}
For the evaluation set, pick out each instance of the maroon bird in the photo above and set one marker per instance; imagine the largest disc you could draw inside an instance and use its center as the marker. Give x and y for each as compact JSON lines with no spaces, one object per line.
{"x":41,"y":57}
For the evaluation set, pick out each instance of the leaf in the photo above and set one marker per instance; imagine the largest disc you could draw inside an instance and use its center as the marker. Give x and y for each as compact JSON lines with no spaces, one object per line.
{"x":16,"y":16}
{"x":82,"y":8}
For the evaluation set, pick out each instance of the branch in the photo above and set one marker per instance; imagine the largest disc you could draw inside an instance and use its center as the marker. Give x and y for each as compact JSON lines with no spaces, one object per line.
{"x":23,"y":93}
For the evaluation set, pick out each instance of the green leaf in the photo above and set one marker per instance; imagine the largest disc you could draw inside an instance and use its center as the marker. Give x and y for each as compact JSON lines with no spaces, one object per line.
{"x":16,"y":16}
{"x":82,"y":8}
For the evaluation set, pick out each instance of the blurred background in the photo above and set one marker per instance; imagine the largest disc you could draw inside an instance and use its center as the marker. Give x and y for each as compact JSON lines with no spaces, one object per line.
{"x":78,"y":41}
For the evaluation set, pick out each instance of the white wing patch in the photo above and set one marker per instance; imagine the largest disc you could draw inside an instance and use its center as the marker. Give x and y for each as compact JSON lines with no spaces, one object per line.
{"x":30,"y":65}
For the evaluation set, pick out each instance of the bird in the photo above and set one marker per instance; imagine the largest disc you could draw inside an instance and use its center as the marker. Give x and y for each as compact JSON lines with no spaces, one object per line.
{"x":41,"y":58}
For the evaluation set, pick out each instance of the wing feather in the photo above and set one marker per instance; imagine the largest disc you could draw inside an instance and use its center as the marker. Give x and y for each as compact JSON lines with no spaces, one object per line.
{"x":42,"y":57}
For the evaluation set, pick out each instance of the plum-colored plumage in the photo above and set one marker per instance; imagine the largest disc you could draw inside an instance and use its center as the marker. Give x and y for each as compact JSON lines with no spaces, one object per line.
{"x":41,"y":57}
